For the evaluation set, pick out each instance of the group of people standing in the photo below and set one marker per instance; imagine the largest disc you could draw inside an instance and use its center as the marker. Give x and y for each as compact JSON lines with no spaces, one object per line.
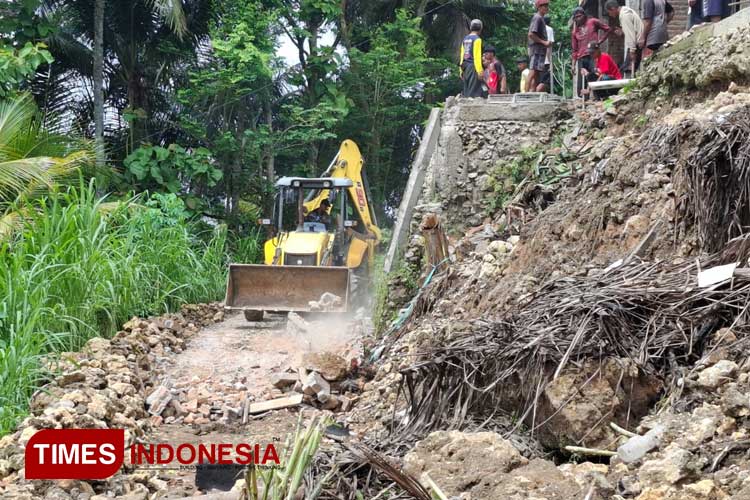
{"x":482,"y":73}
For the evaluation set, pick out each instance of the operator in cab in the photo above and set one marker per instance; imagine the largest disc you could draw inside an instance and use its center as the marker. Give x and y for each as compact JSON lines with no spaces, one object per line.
{"x":320,"y":214}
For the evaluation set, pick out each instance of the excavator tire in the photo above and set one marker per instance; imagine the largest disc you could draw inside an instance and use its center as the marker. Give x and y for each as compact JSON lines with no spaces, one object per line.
{"x":251,"y":315}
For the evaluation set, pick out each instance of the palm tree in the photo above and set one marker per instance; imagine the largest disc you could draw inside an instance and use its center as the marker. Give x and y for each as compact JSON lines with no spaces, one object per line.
{"x":33,"y":157}
{"x":169,"y":11}
{"x":144,"y":45}
{"x":98,"y":80}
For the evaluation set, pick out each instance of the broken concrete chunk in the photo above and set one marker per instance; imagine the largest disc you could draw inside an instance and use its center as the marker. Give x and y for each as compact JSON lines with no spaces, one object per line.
{"x":157,"y":401}
{"x":674,"y":466}
{"x":282,"y":380}
{"x":718,"y":374}
{"x":315,"y":384}
{"x":296,"y":325}
{"x":327,"y":302}
{"x":331,"y":366}
{"x":276,"y":404}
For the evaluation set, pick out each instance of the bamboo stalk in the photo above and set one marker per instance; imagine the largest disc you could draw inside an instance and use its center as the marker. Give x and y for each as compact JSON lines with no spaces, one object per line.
{"x":590,"y":451}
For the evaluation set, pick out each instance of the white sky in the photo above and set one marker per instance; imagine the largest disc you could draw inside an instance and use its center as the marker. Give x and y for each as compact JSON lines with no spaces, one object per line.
{"x":288,"y":51}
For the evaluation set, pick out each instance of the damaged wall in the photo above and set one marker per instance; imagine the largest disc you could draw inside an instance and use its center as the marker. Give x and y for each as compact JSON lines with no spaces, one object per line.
{"x":474,"y":138}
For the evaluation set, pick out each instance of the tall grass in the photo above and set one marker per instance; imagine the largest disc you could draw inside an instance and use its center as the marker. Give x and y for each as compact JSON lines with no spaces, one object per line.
{"x":80,"y":267}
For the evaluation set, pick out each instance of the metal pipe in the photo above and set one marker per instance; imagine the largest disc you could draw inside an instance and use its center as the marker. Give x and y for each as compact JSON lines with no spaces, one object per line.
{"x":300,"y":208}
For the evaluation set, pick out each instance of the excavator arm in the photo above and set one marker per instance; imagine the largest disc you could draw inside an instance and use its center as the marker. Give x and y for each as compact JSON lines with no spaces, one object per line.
{"x":298,"y":270}
{"x":348,"y":164}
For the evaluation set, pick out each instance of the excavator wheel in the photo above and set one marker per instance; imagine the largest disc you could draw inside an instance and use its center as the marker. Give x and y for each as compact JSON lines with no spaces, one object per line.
{"x":252,"y":315}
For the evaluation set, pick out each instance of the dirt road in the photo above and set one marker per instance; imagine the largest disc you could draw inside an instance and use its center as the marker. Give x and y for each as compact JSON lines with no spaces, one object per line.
{"x":229,"y":363}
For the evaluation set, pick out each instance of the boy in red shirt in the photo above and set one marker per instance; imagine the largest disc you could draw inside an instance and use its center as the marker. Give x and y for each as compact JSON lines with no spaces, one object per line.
{"x":494,"y":72}
{"x":605,"y":68}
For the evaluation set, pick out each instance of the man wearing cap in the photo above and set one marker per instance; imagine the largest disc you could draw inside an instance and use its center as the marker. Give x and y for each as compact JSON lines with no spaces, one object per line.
{"x":523,"y":67}
{"x":320,"y":214}
{"x":538,"y":43}
{"x":585,"y":30}
{"x":604,"y":68}
{"x":471,"y":61}
{"x":631,"y":28}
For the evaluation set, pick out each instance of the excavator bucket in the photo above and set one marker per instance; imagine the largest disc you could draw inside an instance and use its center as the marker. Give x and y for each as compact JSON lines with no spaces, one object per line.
{"x":254,"y":287}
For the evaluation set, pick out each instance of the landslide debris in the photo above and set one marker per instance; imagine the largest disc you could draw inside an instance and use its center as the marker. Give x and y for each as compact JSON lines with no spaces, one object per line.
{"x":110,"y":383}
{"x":580,"y":306}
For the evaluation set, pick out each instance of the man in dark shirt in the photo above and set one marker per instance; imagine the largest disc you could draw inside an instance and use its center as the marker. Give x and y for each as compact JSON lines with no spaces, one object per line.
{"x":696,"y":13}
{"x":538,"y":43}
{"x":654,"y":25}
{"x":320,"y":214}
{"x":471,"y":61}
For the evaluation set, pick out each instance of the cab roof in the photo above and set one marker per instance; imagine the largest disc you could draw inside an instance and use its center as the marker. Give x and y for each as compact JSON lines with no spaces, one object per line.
{"x":315,"y":182}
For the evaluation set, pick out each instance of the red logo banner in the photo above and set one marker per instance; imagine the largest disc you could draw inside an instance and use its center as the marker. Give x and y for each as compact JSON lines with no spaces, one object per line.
{"x":74,"y":453}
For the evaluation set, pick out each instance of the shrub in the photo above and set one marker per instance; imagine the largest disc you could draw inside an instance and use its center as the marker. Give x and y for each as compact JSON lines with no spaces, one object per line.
{"x":79,"y":267}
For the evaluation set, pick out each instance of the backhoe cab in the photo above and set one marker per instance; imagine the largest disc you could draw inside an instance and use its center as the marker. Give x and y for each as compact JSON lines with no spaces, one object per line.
{"x":323,"y":240}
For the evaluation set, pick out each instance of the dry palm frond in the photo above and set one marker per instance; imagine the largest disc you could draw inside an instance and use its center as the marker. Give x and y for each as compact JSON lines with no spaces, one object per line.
{"x":651,"y":313}
{"x":384,"y":466}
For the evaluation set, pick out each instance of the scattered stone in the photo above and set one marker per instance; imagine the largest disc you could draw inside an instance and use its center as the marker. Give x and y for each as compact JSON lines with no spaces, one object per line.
{"x":670,"y":469}
{"x":71,"y":378}
{"x":331,"y":366}
{"x":276,"y":404}
{"x":346,"y":403}
{"x":331,"y":402}
{"x":282,"y":380}
{"x":461,"y":460}
{"x":315,"y":384}
{"x":157,"y":401}
{"x":718,"y":374}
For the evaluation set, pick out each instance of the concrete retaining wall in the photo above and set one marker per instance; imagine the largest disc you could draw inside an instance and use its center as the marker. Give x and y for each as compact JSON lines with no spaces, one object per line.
{"x":413,"y":188}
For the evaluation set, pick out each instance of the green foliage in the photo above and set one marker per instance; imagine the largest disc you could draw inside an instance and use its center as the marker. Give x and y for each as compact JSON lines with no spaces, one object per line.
{"x":17,"y":66}
{"x":33,"y":159}
{"x":171,"y":168}
{"x":506,"y":175}
{"x":387,"y":85}
{"x":640,"y":121}
{"x":299,"y":450}
{"x":21,"y":22}
{"x":247,"y":249}
{"x":79,"y":268}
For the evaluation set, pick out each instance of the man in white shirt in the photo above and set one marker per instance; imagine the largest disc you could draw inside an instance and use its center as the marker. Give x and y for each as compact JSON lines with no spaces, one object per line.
{"x":632,"y":31}
{"x":545,"y":82}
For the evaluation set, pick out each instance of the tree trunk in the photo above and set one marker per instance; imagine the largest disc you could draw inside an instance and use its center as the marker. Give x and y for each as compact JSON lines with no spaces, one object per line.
{"x":270,"y":155}
{"x":98,"y":77}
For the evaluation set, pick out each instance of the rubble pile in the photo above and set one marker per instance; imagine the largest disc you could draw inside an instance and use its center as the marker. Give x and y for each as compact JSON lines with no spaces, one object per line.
{"x":108,"y":384}
{"x":722,"y":59}
{"x":321,"y":380}
{"x":701,"y":452}
{"x":655,"y":197}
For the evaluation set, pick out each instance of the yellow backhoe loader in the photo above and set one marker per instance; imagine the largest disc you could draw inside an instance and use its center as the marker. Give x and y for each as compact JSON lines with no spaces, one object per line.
{"x":324,"y":236}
